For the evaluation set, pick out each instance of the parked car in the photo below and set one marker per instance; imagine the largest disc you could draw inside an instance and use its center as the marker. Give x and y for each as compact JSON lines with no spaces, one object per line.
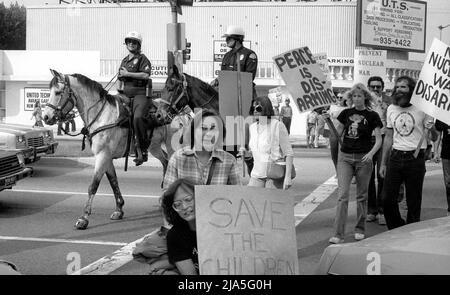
{"x":12,"y":168}
{"x":414,"y":249}
{"x":33,"y":142}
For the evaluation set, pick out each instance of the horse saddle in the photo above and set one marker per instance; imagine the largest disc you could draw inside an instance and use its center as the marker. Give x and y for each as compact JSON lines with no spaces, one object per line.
{"x":123,"y":103}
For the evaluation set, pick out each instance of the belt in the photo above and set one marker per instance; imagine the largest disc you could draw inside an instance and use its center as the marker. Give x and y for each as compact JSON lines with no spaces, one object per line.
{"x":407,"y":152}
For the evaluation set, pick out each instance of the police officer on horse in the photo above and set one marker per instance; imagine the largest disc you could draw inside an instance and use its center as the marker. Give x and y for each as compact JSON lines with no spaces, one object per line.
{"x":134,"y":74}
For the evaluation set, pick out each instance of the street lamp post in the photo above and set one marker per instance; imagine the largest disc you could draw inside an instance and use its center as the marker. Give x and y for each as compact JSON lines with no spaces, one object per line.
{"x":441,"y":27}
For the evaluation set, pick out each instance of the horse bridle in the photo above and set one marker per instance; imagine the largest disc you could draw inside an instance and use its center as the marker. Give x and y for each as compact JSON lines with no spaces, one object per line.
{"x":68,"y":93}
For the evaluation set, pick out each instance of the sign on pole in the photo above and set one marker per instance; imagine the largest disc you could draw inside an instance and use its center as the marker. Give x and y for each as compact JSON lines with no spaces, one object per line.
{"x":304,"y":79}
{"x":31,"y":95}
{"x":369,"y":63}
{"x":392,"y":24}
{"x":245,"y":230}
{"x":432,"y":92}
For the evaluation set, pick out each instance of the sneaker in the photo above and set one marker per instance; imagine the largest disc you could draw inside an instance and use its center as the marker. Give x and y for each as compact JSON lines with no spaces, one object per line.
{"x":381,"y":219}
{"x":359,"y":236}
{"x":335,"y":240}
{"x":371,"y":217}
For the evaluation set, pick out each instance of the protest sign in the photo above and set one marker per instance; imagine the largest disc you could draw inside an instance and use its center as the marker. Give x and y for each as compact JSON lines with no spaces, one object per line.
{"x":432,"y":91}
{"x":245,"y":231}
{"x":369,"y":63}
{"x":31,"y":95}
{"x":304,"y":79}
{"x":322,"y":60}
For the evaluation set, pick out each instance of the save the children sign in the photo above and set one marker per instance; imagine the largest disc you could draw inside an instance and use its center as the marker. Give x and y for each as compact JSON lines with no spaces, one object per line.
{"x":245,"y":231}
{"x":304,"y":79}
{"x":432,"y":92}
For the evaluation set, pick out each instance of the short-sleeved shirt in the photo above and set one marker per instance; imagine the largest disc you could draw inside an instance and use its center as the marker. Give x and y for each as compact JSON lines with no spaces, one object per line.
{"x":182,"y":244}
{"x":138,"y":64}
{"x":408,"y":126}
{"x":247,"y":59}
{"x":445,"y":151}
{"x":185,"y":164}
{"x":358,"y":128}
{"x":286,"y":111}
{"x":312,"y":118}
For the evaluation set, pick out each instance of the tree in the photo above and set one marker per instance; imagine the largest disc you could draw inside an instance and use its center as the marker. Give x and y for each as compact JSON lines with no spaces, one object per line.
{"x":12,"y":27}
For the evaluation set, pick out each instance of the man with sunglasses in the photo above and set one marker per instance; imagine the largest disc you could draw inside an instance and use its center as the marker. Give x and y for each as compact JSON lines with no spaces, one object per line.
{"x":375,"y":205}
{"x":134,"y":76}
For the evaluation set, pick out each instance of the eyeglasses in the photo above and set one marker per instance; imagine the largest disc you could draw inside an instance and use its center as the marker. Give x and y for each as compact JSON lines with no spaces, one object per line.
{"x":340,"y":96}
{"x":132,"y":42}
{"x":375,"y":86}
{"x":178,"y":205}
{"x":258,"y":108}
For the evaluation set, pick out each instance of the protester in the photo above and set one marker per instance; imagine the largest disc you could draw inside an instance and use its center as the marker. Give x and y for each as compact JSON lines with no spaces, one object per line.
{"x":203,"y":154}
{"x":286,"y":115}
{"x":37,"y":115}
{"x":320,"y":127}
{"x":405,"y":125}
{"x":355,"y":158}
{"x":269,"y":141}
{"x":334,"y":111}
{"x":375,"y":201}
{"x":444,"y":131}
{"x":311,"y":122}
{"x":178,"y":203}
{"x":134,"y":74}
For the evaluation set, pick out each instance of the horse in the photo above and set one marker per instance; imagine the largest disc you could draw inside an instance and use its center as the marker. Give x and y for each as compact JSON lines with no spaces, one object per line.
{"x":100,"y":113}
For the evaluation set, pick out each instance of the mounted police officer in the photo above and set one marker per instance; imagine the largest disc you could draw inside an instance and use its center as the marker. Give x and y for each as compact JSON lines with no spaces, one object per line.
{"x":134,"y":74}
{"x":247,"y":58}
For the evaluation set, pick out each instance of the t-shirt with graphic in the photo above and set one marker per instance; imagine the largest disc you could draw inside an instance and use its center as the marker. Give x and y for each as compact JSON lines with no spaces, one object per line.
{"x":445,"y":151}
{"x":358,"y":128}
{"x":182,"y":244}
{"x":408,"y":125}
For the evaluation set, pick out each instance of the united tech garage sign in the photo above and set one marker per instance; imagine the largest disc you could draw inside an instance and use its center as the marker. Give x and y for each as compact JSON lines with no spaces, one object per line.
{"x":31,"y":95}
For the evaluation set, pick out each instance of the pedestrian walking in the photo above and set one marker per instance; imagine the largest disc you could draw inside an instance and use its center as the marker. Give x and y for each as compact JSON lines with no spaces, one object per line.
{"x":444,"y":132}
{"x":286,"y":115}
{"x":269,"y":141}
{"x":37,"y":115}
{"x":311,"y":122}
{"x":134,"y":75}
{"x":333,"y":112}
{"x":320,"y":127}
{"x":375,"y":201}
{"x":356,"y":124}
{"x":405,"y":126}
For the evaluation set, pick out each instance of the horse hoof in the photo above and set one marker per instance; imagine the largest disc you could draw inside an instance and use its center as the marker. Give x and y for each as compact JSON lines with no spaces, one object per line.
{"x":82,"y":223}
{"x":117,"y":215}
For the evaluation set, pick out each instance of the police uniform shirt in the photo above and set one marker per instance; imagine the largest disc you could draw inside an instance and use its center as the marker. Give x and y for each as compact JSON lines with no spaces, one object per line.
{"x":139,"y":63}
{"x":247,"y":58}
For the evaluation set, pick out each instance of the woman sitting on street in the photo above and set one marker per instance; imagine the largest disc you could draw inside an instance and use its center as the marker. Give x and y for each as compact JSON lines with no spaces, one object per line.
{"x":355,"y":126}
{"x":178,"y":204}
{"x":269,"y":140}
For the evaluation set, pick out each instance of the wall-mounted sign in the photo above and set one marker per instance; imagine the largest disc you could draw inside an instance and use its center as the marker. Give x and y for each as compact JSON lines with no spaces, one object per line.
{"x":220,"y":48}
{"x":31,"y":95}
{"x":392,"y":24}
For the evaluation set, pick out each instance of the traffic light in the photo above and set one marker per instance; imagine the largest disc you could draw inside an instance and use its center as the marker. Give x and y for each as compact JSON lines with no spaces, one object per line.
{"x":187,"y":52}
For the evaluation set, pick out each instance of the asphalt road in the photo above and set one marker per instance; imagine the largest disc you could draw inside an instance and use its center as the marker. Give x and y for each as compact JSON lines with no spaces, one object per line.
{"x":37,"y":217}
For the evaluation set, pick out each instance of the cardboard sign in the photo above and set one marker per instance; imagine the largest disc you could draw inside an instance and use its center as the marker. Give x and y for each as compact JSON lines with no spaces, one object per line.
{"x":432,"y":92}
{"x":31,"y":95}
{"x":245,"y":230}
{"x":369,"y":63}
{"x":392,"y":24}
{"x":322,"y":60}
{"x":304,"y":79}
{"x":228,"y":104}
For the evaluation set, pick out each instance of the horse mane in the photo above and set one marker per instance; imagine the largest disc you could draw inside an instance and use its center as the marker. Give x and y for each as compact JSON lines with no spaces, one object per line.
{"x":205,"y":87}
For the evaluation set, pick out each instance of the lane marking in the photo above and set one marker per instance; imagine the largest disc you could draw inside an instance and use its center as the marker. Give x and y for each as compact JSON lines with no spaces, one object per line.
{"x":80,"y":193}
{"x":67,"y":241}
{"x":314,"y":199}
{"x":110,"y":263}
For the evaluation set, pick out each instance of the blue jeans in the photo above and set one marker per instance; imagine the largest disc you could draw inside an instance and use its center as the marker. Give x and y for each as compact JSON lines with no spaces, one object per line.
{"x":375,"y":201}
{"x":446,"y":169}
{"x":350,"y":165}
{"x":403,"y":167}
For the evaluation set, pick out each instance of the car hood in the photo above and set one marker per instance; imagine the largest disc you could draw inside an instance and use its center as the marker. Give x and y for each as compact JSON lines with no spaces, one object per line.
{"x":418,"y":248}
{"x":17,"y":129}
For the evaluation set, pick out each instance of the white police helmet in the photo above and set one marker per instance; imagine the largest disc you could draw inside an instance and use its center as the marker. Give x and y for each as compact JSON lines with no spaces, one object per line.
{"x":234,"y":31}
{"x":133,"y":35}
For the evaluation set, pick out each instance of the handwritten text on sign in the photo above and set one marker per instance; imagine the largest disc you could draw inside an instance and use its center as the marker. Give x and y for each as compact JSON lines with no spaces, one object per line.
{"x":245,"y":231}
{"x":394,"y":24}
{"x":432,"y":92}
{"x":304,"y":79}
{"x":31,"y":95}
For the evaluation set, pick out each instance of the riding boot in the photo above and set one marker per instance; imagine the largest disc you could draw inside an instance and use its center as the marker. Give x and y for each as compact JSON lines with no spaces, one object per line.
{"x":139,"y":157}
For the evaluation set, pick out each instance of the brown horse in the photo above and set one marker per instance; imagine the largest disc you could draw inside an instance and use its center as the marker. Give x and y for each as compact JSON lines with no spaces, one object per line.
{"x":100,"y":113}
